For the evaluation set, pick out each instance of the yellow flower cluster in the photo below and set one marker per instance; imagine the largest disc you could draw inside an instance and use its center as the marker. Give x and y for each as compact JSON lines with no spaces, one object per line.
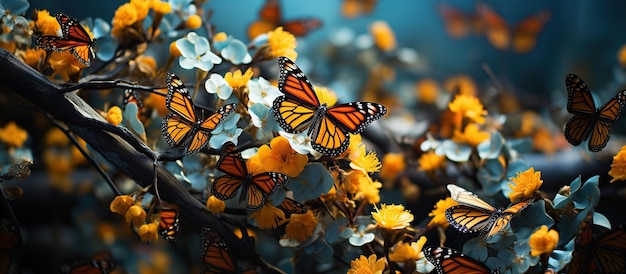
{"x":135,"y":215}
{"x":543,"y":241}
{"x":618,"y":166}
{"x":114,"y":115}
{"x":367,"y":265}
{"x":468,"y":107}
{"x":278,"y":157}
{"x":12,"y":135}
{"x":300,"y":226}
{"x":405,"y":252}
{"x":392,"y":217}
{"x":282,"y":43}
{"x":134,"y":11}
{"x":525,"y":184}
{"x":237,"y":80}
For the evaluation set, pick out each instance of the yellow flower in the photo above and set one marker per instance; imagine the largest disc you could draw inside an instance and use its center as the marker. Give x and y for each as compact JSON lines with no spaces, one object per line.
{"x":142,"y":8}
{"x":282,"y":43}
{"x":469,"y":107}
{"x":125,"y":15}
{"x":427,"y":90}
{"x":543,"y":241}
{"x":193,"y":22}
{"x":32,"y":57}
{"x":65,"y":65}
{"x":12,"y":135}
{"x":618,"y":166}
{"x":471,"y":135}
{"x":392,"y":165}
{"x":114,"y":115}
{"x":367,"y":190}
{"x":135,"y":215}
{"x":121,"y":204}
{"x":220,"y":37}
{"x":405,"y":252}
{"x":215,"y":205}
{"x":161,"y":7}
{"x":392,"y":217}
{"x":268,"y":217}
{"x":237,"y":80}
{"x":621,"y":55}
{"x":46,"y":24}
{"x":439,"y":213}
{"x":174,"y":51}
{"x":354,"y":148}
{"x":280,"y":157}
{"x":430,"y":161}
{"x":149,"y":232}
{"x":325,"y":95}
{"x":365,"y":161}
{"x":525,"y":184}
{"x":370,"y":265}
{"x":383,"y":35}
{"x":300,"y":226}
{"x":462,"y":84}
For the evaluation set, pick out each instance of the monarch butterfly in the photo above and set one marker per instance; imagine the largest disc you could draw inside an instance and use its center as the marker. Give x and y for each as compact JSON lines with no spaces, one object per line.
{"x":254,"y":187}
{"x":185,"y":127}
{"x":457,"y":23}
{"x":328,"y":127}
{"x":522,"y":37}
{"x":589,"y":122}
{"x":100,"y":263}
{"x":215,"y":254}
{"x":475,"y":215}
{"x":290,"y":206}
{"x":270,"y":17}
{"x":352,"y":8}
{"x":169,"y":224}
{"x":602,"y":254}
{"x":450,"y":261}
{"x":75,"y":39}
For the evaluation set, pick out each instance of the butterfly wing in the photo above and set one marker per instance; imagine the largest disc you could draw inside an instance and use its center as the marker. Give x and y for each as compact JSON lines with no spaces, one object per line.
{"x":302,"y":27}
{"x":75,"y":32}
{"x":607,"y":115}
{"x":262,"y":185}
{"x":468,"y":198}
{"x":215,"y":254}
{"x":270,"y":11}
{"x":296,"y":109}
{"x":580,"y":103}
{"x":232,"y":164}
{"x":450,"y":261}
{"x":178,"y":99}
{"x":169,"y":224}
{"x":290,"y":206}
{"x":526,"y":32}
{"x":456,"y":22}
{"x":468,"y":219}
{"x":176,"y":129}
{"x":497,"y":29}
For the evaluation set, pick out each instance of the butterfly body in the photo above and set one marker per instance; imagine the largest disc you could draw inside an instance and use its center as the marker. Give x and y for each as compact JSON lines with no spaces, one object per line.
{"x":474,"y":215}
{"x":589,"y":122}
{"x":186,"y":127}
{"x":328,"y":127}
{"x":254,"y":187}
{"x":75,"y":39}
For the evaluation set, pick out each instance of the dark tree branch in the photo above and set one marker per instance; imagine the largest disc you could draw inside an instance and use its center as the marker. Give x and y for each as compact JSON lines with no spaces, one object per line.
{"x":116,"y":148}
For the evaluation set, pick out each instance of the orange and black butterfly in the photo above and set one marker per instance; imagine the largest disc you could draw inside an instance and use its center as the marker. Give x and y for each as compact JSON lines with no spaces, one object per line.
{"x":215,"y":254}
{"x":328,"y":127}
{"x":450,"y":261}
{"x":588,"y":121}
{"x":353,"y":8}
{"x":459,"y":24}
{"x":169,"y":226}
{"x":290,"y":206}
{"x":186,"y":127}
{"x":101,"y":263}
{"x":270,"y":17}
{"x":475,"y":215}
{"x":522,"y":37}
{"x":254,"y":187}
{"x":601,"y":254}
{"x":75,"y":39}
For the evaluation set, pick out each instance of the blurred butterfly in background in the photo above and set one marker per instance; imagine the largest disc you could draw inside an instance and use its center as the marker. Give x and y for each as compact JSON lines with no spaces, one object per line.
{"x":270,"y":17}
{"x":522,"y":37}
{"x":75,"y":39}
{"x":601,"y":254}
{"x":353,"y":8}
{"x":458,"y":23}
{"x":169,"y":226}
{"x":588,"y":121}
{"x":328,"y":127}
{"x":215,"y":254}
{"x":450,"y":261}
{"x":101,"y":262}
{"x":475,"y":215}
{"x":186,"y":127}
{"x":254,"y":187}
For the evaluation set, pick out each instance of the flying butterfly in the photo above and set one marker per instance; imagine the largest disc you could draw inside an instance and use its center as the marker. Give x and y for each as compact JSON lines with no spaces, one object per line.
{"x":328,"y":127}
{"x":75,"y":39}
{"x":522,"y":37}
{"x":450,"y":261}
{"x":254,"y":187}
{"x":169,"y":226}
{"x":475,"y":215}
{"x":588,"y":121}
{"x":352,"y":8}
{"x":270,"y":17}
{"x":186,"y":127}
{"x":459,"y":24}
{"x":601,"y":254}
{"x":215,"y":254}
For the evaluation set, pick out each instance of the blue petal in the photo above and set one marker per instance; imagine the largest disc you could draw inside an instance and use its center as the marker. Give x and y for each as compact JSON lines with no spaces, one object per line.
{"x":186,"y":48}
{"x":130,"y":119}
{"x":490,"y":149}
{"x":313,"y":181}
{"x":236,"y":52}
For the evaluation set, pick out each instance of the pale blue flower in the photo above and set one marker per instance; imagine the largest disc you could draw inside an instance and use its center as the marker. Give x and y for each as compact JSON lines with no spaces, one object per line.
{"x":263,"y":120}
{"x":233,"y":50}
{"x":217,"y":85}
{"x":262,"y":91}
{"x":196,"y":53}
{"x":226,"y":131}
